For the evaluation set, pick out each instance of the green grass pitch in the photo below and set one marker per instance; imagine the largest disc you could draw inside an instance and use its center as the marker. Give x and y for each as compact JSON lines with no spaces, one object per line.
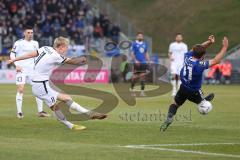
{"x":128,"y":133}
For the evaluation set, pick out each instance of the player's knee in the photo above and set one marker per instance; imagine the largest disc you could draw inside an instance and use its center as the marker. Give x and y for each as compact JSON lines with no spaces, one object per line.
{"x":176,"y":104}
{"x":66,"y":98}
{"x":20,"y":90}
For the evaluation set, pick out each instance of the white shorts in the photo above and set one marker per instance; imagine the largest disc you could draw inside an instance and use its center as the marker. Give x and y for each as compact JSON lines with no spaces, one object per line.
{"x":22,"y":78}
{"x":176,"y":68}
{"x":43,"y":91}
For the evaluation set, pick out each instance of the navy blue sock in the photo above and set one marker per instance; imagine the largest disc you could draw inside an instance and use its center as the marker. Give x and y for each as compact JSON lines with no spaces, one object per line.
{"x":172,"y":111}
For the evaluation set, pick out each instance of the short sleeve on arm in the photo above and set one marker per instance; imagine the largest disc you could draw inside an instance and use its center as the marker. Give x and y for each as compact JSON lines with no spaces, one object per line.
{"x":60,"y":59}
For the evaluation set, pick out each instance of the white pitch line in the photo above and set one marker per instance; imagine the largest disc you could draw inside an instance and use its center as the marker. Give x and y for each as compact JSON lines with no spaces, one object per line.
{"x":187,"y":144}
{"x":154,"y":147}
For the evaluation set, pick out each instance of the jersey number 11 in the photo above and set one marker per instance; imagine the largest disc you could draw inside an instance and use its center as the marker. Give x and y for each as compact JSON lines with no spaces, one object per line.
{"x":187,"y":72}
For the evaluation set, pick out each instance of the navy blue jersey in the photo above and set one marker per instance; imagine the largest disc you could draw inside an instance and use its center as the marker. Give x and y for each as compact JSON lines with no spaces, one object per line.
{"x":139,"y":49}
{"x":192,"y":72}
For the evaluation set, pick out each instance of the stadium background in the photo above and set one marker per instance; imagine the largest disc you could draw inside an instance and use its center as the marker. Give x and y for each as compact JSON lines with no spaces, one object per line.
{"x":211,"y":137}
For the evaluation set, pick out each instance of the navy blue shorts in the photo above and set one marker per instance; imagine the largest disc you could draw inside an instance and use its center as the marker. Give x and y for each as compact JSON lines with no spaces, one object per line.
{"x":184,"y":94}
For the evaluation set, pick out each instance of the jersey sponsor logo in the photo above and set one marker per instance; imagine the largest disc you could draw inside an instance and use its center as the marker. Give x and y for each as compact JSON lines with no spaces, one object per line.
{"x":141,"y":50}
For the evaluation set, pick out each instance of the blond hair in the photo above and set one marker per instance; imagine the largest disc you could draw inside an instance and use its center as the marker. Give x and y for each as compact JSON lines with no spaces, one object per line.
{"x":60,"y":41}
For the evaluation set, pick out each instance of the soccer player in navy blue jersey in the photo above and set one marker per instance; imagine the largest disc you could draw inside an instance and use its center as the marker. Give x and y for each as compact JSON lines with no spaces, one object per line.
{"x":191,"y":77}
{"x":141,"y":60}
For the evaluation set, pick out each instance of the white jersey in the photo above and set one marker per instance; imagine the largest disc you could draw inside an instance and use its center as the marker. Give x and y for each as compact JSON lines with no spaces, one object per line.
{"x":47,"y":60}
{"x":178,"y":50}
{"x":22,"y":47}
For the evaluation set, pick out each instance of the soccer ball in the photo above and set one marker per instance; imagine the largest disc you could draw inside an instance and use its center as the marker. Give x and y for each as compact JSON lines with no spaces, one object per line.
{"x":204,"y":107}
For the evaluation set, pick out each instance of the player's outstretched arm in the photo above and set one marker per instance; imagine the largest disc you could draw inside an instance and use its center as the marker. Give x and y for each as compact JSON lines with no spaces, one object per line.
{"x":77,"y":60}
{"x":217,"y":59}
{"x":211,"y":40}
{"x":25,"y":56}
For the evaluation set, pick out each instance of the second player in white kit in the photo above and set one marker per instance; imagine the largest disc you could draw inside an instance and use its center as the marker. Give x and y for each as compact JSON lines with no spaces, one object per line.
{"x":24,"y":69}
{"x":176,"y":51}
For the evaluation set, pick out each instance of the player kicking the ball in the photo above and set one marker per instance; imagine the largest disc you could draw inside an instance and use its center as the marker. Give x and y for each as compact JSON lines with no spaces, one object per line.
{"x":24,"y":69}
{"x":191,"y":77}
{"x":47,"y":59}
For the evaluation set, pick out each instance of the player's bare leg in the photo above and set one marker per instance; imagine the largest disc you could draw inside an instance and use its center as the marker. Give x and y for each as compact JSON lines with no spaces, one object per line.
{"x":19,"y":99}
{"x":60,"y":116}
{"x":75,"y":106}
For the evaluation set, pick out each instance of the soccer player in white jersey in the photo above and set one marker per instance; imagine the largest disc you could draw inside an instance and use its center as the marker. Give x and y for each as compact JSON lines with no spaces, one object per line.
{"x":47,"y":59}
{"x":24,"y":69}
{"x":177,"y":50}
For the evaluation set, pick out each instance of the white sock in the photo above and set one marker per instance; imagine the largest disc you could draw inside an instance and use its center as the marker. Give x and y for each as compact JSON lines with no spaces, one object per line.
{"x":19,"y":99}
{"x":39,"y":104}
{"x":60,"y":116}
{"x":174,"y":85}
{"x":77,"y":107}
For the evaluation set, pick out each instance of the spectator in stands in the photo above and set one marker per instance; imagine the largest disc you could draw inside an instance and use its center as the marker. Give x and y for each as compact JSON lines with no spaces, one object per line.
{"x":88,"y":35}
{"x":115,"y":33}
{"x":63,"y":32}
{"x":98,"y":32}
{"x":212,"y":75}
{"x":218,"y":73}
{"x":226,"y":69}
{"x":98,"y":35}
{"x":105,"y":23}
{"x":209,"y":76}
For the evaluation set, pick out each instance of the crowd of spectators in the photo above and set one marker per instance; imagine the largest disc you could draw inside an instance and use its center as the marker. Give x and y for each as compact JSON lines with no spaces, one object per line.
{"x":77,"y":19}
